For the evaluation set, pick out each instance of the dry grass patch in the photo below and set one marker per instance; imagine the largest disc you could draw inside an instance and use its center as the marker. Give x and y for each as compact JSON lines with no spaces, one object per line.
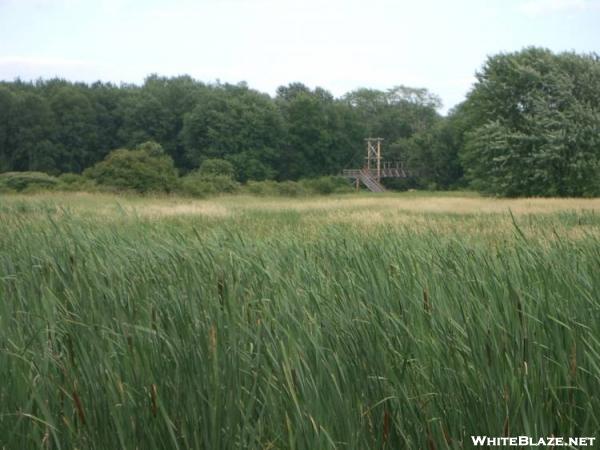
{"x":209,"y":209}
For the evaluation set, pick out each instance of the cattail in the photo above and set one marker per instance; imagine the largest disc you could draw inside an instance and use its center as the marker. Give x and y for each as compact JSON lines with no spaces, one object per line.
{"x":154,"y":327}
{"x":506,"y":427}
{"x":519,"y":310}
{"x":525,"y":352}
{"x":430,"y":441}
{"x":221,"y":288}
{"x":573,"y":362}
{"x":447,"y":436}
{"x":71,"y":351}
{"x":46,"y":438}
{"x":386,"y":425}
{"x":213,"y":338}
{"x":153,"y":399}
{"x":426,"y":303}
{"x":78,"y":407}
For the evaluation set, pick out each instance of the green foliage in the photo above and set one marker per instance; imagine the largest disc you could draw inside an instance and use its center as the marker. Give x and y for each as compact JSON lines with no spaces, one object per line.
{"x":431,"y":155}
{"x":27,"y":181}
{"x":75,"y":182}
{"x":254,"y":164}
{"x":152,"y":148}
{"x":229,"y":120}
{"x":322,"y":135}
{"x":216,"y":167}
{"x":327,"y":185}
{"x":531,"y":126}
{"x":262,"y":188}
{"x":534,"y":125}
{"x":308,"y":186}
{"x":72,"y":178}
{"x":274,"y":188}
{"x":196,"y":184}
{"x":135,"y":170}
{"x":291,"y":189}
{"x":215,"y":176}
{"x":57,"y":126}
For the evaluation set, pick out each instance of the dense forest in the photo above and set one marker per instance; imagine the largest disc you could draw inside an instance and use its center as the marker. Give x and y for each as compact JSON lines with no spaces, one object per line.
{"x":529,"y":126}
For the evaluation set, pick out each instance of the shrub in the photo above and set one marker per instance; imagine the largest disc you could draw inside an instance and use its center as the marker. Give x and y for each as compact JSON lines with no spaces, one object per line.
{"x":290,"y":189}
{"x":216,"y":167}
{"x":138,"y":170}
{"x":199,"y":185}
{"x":327,"y":185}
{"x":20,"y":181}
{"x":75,"y":182}
{"x":196,"y":187}
{"x":72,"y":178}
{"x":263,"y":188}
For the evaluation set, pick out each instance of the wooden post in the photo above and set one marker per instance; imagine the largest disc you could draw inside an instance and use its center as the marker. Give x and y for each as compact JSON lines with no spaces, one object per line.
{"x":378,"y":159}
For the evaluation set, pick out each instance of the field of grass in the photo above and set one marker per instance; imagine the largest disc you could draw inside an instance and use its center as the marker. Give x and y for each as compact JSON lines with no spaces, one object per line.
{"x":351,"y":322}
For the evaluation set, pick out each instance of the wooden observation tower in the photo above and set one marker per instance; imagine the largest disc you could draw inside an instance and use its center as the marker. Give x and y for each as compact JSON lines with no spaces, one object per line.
{"x":375,"y":168}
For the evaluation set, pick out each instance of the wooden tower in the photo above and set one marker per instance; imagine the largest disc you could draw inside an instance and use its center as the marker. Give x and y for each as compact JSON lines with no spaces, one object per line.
{"x":375,"y":168}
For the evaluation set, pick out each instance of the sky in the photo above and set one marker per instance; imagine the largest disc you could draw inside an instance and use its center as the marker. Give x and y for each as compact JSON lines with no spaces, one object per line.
{"x":339,"y":45}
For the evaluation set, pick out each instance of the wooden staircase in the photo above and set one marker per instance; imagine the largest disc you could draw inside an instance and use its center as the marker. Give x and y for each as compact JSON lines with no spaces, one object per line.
{"x":368,"y":177}
{"x":370,"y":181}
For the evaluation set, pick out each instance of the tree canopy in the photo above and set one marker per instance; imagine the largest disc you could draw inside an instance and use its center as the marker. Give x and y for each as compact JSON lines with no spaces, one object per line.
{"x":534,"y":125}
{"x":529,"y":126}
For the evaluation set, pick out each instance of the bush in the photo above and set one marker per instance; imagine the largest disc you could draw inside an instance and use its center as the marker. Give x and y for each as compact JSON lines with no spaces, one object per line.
{"x":138,"y":170}
{"x":199,"y":185}
{"x":216,"y":167}
{"x":318,"y":186}
{"x":20,"y":181}
{"x":72,"y":178}
{"x":327,"y":185}
{"x":262,"y":188}
{"x":75,"y":182}
{"x":290,"y":189}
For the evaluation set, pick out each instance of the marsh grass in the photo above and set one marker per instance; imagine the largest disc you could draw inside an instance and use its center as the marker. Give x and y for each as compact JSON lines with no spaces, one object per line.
{"x":281,"y":325}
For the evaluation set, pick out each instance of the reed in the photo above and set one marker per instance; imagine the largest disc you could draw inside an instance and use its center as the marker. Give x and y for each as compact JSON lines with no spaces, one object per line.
{"x":266,"y":328}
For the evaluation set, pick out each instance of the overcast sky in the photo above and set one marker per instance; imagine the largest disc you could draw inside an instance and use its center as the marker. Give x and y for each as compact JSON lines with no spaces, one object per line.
{"x":337,"y":44}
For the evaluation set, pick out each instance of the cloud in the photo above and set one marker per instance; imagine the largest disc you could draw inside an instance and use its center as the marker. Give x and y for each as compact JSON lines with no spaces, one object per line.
{"x":544,"y":7}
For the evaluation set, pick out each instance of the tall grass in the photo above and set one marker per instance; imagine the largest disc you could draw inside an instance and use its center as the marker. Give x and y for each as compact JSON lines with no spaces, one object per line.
{"x":213,"y":333}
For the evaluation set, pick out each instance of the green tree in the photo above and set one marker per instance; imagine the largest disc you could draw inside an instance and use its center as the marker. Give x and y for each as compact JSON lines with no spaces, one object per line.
{"x":6,"y":106}
{"x":395,"y":114}
{"x":178,"y":96}
{"x":143,"y":118}
{"x":137,"y":170}
{"x":322,"y":135}
{"x":534,"y":125}
{"x":74,"y":129}
{"x":431,"y":155}
{"x":231,"y":120}
{"x":29,"y":131}
{"x":105,"y":99}
{"x":256,"y":165}
{"x":216,"y":167}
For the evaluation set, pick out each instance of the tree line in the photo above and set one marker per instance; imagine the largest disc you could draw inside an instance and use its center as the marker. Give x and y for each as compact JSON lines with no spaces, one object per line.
{"x":529,"y":126}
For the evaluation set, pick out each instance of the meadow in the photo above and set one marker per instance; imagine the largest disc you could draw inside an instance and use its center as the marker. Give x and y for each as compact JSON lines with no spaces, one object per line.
{"x":356,"y":321}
